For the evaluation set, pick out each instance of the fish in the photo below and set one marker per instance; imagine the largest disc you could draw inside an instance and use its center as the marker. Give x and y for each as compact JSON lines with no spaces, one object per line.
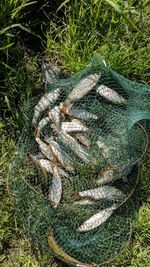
{"x":44,"y":168}
{"x":62,"y":255}
{"x":84,"y":202}
{"x":44,"y":164}
{"x":48,"y":166}
{"x":73,"y":126}
{"x":106,"y":176}
{"x":45,"y":101}
{"x":49,"y":72}
{"x":73,"y":145}
{"x":97,"y":219}
{"x":37,"y":156}
{"x":62,"y":173}
{"x":83,"y":140}
{"x":61,"y":155}
{"x":49,"y":139}
{"x":56,"y":188}
{"x":55,"y":116}
{"x":45,"y":149}
{"x":111,"y":95}
{"x":83,"y":88}
{"x":78,"y":113}
{"x":41,"y":125}
{"x":103,"y":192}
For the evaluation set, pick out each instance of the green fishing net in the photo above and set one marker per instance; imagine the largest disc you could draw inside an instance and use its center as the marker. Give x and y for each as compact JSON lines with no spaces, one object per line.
{"x":75,"y":167}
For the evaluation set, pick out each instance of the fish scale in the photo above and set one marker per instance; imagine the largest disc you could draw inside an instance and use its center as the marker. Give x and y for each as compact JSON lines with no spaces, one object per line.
{"x":45,"y":101}
{"x":82,"y":88}
{"x":97,"y":219}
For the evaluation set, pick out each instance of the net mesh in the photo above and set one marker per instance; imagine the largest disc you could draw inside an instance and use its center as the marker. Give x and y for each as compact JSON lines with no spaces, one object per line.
{"x":75,"y":166}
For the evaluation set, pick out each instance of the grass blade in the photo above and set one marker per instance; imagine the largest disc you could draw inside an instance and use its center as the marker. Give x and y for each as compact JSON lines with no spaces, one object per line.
{"x":18,"y":25}
{"x":16,"y":10}
{"x":115,"y":6}
{"x":6,"y":46}
{"x":121,"y":12}
{"x":62,"y":5}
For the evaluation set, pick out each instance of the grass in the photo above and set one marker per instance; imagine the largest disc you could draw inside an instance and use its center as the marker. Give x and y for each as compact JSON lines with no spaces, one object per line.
{"x":70,"y":36}
{"x":95,"y":27}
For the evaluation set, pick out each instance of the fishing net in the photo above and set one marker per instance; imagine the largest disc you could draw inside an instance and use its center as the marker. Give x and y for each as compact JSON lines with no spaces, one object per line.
{"x":75,"y":167}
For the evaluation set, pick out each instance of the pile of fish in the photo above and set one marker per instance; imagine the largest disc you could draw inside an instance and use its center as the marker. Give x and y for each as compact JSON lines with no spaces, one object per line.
{"x":67,"y":124}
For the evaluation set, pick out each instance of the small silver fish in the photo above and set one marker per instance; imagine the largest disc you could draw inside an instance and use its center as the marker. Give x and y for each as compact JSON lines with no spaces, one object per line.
{"x":110,"y":95}
{"x":45,"y":164}
{"x":44,"y":149}
{"x":49,"y":139}
{"x":73,"y":126}
{"x":41,"y":125}
{"x":62,"y":173}
{"x":84,"y":202}
{"x":97,"y":219}
{"x":106,"y":176}
{"x":83,"y":140}
{"x":56,"y":189}
{"x":55,"y":116}
{"x":83,"y":88}
{"x":78,"y":113}
{"x":37,"y":156}
{"x":72,"y":144}
{"x":61,"y":155}
{"x":103,"y":192}
{"x":48,"y":166}
{"x":44,"y":167}
{"x":44,"y":103}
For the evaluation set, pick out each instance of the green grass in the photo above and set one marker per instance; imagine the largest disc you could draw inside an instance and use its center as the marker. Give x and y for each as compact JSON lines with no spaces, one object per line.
{"x":69,"y":37}
{"x":95,"y":27}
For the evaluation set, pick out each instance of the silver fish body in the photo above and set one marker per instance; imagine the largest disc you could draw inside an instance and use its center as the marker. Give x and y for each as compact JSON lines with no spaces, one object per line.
{"x":49,"y":139}
{"x":46,"y":165}
{"x":62,"y":173}
{"x":110,"y":95}
{"x":74,"y":126}
{"x":55,"y":116}
{"x":37,"y":156}
{"x":83,"y":88}
{"x":103,"y":192}
{"x":84,"y":202}
{"x":44,"y":149}
{"x":83,"y":140}
{"x":97,"y":219}
{"x":81,"y":114}
{"x":56,"y":189}
{"x":41,"y":125}
{"x":72,"y":144}
{"x":45,"y":101}
{"x":61,"y":155}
